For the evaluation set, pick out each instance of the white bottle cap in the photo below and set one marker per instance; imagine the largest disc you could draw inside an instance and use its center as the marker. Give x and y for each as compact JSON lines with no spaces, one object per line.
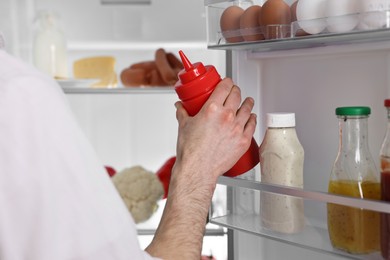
{"x":281,"y":119}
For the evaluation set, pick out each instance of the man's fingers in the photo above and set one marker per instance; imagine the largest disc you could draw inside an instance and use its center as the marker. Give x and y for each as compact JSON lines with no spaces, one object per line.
{"x":181,"y":112}
{"x":244,"y":112}
{"x":221,"y":92}
{"x":233,"y":100}
{"x":250,"y":125}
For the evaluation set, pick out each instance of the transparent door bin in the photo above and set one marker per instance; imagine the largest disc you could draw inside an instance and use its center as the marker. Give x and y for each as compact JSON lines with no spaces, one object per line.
{"x":342,"y":24}
{"x":313,"y":234}
{"x":270,"y":32}
{"x":369,"y":18}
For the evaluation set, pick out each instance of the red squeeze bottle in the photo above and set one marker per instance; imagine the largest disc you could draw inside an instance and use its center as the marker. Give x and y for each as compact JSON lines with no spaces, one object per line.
{"x":195,"y":85}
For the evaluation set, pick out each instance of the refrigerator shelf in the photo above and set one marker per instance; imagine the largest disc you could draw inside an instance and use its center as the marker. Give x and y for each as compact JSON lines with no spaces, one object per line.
{"x":267,"y":26}
{"x":120,"y":90}
{"x":318,"y":196}
{"x":209,"y":232}
{"x":313,"y":41}
{"x":314,"y":237}
{"x":133,"y":45}
{"x":244,"y":214}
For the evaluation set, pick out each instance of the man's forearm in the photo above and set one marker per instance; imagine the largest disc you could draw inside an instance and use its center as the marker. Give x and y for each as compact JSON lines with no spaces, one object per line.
{"x":181,"y":230}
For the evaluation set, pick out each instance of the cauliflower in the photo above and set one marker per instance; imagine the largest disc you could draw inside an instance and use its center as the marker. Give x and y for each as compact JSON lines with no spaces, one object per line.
{"x":140,"y":190}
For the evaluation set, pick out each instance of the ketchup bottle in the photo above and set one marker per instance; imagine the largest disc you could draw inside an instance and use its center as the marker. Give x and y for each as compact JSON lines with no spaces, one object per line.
{"x":195,"y":85}
{"x":385,"y":185}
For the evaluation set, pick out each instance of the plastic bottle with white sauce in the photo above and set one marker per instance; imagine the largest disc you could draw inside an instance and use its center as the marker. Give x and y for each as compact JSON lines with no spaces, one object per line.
{"x":244,"y":199}
{"x":281,"y":161}
{"x":49,"y":50}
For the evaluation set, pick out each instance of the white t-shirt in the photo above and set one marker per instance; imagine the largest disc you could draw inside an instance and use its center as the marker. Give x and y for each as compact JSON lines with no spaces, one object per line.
{"x":56,"y":199}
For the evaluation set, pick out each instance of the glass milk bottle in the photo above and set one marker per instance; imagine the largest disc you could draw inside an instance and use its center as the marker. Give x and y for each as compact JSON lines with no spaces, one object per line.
{"x":50,"y":51}
{"x":385,"y":186}
{"x":281,"y":161}
{"x":353,"y":174}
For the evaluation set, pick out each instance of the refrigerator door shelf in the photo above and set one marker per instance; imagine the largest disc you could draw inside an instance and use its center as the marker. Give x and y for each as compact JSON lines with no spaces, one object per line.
{"x":314,"y":235}
{"x":312,"y":41}
{"x":308,"y":19}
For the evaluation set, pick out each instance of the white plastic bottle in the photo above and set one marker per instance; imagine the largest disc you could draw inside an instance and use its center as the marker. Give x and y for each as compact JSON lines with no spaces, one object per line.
{"x":50,"y":51}
{"x":244,"y":199}
{"x":281,"y":161}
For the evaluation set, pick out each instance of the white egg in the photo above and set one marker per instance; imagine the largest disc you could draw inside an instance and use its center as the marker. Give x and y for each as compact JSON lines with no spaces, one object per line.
{"x":373,"y":14}
{"x":342,"y":15}
{"x":310,"y":15}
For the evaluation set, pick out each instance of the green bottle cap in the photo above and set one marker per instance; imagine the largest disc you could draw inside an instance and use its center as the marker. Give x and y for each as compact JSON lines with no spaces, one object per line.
{"x":353,"y":111}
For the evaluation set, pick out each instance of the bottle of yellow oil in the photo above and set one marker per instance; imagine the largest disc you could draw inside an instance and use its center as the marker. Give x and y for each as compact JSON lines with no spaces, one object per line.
{"x":354,"y":174}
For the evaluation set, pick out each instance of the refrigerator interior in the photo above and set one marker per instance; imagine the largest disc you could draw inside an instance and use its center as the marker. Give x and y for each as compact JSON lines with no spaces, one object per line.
{"x":137,"y":126}
{"x":311,"y":83}
{"x":127,"y":130}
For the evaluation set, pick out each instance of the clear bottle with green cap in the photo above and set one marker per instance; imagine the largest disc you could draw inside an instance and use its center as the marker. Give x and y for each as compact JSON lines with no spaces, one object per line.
{"x":354,"y":174}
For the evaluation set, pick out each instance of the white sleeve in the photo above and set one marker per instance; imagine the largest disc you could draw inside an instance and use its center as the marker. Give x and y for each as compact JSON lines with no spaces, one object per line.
{"x":56,"y":200}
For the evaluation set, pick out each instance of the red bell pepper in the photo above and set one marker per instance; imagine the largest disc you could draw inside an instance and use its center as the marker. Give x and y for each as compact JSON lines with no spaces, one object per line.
{"x":164,"y":174}
{"x":111,"y":171}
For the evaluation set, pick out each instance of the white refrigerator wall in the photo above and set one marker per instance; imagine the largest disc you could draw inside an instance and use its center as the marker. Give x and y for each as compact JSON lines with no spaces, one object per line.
{"x":129,"y":129}
{"x":312,"y":83}
{"x":125,"y":129}
{"x":130,"y":33}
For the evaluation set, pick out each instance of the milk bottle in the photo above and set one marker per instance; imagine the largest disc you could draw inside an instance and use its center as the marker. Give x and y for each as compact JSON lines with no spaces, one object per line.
{"x":49,"y":53}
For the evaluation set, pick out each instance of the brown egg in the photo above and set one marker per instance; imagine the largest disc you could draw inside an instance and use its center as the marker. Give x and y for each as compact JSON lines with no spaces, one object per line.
{"x":275,"y":18}
{"x":293,"y":10}
{"x":249,"y":24}
{"x":230,"y":23}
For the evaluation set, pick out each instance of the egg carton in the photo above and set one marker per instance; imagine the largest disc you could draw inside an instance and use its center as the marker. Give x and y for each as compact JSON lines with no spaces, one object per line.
{"x":358,"y":22}
{"x":269,"y":32}
{"x":305,"y":18}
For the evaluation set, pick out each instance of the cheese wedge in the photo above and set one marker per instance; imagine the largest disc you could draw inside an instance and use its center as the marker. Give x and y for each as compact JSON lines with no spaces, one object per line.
{"x":102,"y":68}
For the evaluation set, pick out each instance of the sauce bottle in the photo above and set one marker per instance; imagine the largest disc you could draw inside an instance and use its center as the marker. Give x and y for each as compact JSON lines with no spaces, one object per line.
{"x":195,"y":85}
{"x":281,"y":161}
{"x":354,"y":174}
{"x":243,"y":198}
{"x":385,"y":186}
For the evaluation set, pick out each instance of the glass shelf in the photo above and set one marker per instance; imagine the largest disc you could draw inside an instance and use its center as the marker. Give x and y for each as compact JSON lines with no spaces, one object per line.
{"x":367,"y":25}
{"x":369,"y":37}
{"x":133,"y":45}
{"x":209,"y":232}
{"x":120,"y":90}
{"x":375,"y":205}
{"x":314,"y":235}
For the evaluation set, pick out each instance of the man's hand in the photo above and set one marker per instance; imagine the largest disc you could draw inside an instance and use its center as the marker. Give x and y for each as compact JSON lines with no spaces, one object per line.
{"x":208,"y":145}
{"x":215,"y":138}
